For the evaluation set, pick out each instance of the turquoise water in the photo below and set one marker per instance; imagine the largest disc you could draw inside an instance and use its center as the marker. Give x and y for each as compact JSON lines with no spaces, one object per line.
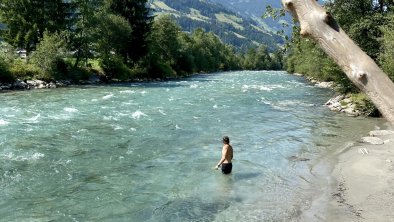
{"x":145,"y":152}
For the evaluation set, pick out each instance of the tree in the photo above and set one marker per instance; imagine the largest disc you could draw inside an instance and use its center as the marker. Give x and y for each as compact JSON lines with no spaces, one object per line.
{"x":164,"y":47}
{"x":27,"y":20}
{"x":138,"y":16}
{"x":111,"y":37}
{"x":387,"y":56}
{"x":111,"y":34}
{"x":361,"y":20}
{"x":82,"y":32}
{"x":318,"y":24}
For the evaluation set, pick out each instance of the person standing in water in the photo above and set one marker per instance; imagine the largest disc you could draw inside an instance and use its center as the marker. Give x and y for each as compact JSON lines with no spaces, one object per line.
{"x":227,"y":156}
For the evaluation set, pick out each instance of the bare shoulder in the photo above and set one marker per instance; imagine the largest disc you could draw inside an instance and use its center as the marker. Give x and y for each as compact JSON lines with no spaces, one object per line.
{"x":226,"y":146}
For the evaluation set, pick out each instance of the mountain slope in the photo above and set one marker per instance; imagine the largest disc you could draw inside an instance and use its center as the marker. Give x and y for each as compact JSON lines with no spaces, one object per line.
{"x":241,"y":32}
{"x":254,"y":9}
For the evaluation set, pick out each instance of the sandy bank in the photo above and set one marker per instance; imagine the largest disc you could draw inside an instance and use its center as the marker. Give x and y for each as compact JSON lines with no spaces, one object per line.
{"x":361,"y":187}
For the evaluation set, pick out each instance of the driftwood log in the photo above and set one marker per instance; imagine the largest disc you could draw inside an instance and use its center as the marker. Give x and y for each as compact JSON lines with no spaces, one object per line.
{"x":317,"y":24}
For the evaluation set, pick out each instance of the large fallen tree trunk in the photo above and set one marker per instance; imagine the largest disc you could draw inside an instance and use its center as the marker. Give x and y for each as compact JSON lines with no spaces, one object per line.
{"x":316,"y":23}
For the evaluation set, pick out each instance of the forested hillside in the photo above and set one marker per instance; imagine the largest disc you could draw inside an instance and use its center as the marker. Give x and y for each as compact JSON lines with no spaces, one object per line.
{"x":232,"y":28}
{"x":254,"y":9}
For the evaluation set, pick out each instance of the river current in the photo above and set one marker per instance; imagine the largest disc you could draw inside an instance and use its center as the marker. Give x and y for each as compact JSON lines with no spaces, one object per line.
{"x":146,"y":151}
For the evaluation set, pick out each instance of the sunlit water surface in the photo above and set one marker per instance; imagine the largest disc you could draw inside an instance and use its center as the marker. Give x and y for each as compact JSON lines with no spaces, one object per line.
{"x":145,"y":152}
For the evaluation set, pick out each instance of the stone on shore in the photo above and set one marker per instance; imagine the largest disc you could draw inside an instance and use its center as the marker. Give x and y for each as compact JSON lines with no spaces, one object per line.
{"x":343,"y":104}
{"x":326,"y":85}
{"x":381,"y":132}
{"x":372,"y":140}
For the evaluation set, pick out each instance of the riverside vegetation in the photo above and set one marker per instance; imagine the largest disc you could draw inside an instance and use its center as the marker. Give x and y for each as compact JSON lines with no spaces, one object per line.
{"x":370,"y":24}
{"x":110,"y":40}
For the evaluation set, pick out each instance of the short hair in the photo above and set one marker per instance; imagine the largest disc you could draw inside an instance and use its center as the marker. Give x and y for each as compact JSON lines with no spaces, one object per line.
{"x":226,"y":139}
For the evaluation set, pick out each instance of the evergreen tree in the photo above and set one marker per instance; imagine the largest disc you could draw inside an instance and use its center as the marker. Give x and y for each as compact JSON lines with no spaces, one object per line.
{"x":82,"y":32}
{"x":137,"y":14}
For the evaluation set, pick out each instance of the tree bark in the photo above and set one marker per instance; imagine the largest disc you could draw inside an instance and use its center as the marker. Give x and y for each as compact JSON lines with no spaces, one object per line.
{"x":317,"y":24}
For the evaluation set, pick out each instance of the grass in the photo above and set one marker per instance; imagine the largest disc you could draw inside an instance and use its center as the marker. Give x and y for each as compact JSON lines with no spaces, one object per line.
{"x":230,"y":19}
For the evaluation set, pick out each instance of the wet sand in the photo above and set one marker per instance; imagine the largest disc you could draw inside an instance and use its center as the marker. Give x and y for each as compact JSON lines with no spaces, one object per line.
{"x":361,"y":185}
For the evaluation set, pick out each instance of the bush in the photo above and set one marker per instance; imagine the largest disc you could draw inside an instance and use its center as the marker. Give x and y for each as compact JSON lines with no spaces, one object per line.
{"x":114,"y":68}
{"x":21,"y":70}
{"x":78,"y":73}
{"x":138,"y":70}
{"x":364,"y":104}
{"x":48,"y":55}
{"x":5,"y":74}
{"x":160,"y":70}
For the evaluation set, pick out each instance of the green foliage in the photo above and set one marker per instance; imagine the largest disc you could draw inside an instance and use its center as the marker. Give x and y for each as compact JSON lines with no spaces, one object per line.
{"x":259,"y":59}
{"x":27,"y":20}
{"x":164,"y":39}
{"x":366,"y":32}
{"x":111,"y":36}
{"x":114,"y":68}
{"x":5,"y":74}
{"x":174,"y":53}
{"x":22,"y":70}
{"x":111,"y":33}
{"x":138,"y":16}
{"x":274,"y":13}
{"x":363,"y":21}
{"x":76,"y":74}
{"x":48,"y":55}
{"x":364,"y":104}
{"x":210,"y":53}
{"x":81,"y":38}
{"x":387,"y":55}
{"x":121,"y":36}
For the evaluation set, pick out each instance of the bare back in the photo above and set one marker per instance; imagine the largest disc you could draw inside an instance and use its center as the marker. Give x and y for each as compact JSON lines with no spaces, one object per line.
{"x":227,"y":153}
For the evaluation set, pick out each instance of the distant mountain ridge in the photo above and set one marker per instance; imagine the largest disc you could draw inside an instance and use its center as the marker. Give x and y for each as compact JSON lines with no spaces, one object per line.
{"x":254,"y":9}
{"x":232,"y":28}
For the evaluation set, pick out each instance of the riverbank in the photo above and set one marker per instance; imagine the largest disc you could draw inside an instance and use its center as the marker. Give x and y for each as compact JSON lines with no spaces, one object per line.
{"x":360,"y":185}
{"x":351,"y":104}
{"x":93,"y":80}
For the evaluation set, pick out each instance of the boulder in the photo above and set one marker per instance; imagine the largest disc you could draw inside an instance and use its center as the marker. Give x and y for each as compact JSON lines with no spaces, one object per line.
{"x":372,"y":140}
{"x":381,"y":132}
{"x":327,"y":85}
{"x":19,"y":84}
{"x":51,"y":85}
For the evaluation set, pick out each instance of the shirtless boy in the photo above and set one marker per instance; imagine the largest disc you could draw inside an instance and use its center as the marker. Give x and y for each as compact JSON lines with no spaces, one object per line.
{"x":227,"y":156}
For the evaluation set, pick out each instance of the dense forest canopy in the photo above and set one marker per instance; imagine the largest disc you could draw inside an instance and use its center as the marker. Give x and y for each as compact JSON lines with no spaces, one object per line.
{"x":114,"y":39}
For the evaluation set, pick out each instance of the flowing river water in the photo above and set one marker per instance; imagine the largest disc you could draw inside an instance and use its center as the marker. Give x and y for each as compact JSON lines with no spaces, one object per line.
{"x":146,"y":151}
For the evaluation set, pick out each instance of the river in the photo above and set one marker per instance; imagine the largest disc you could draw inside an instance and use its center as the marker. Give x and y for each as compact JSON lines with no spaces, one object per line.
{"x":146,"y":151}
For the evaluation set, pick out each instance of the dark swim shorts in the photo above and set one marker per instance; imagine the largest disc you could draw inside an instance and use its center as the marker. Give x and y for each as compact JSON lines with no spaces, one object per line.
{"x":227,"y":167}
